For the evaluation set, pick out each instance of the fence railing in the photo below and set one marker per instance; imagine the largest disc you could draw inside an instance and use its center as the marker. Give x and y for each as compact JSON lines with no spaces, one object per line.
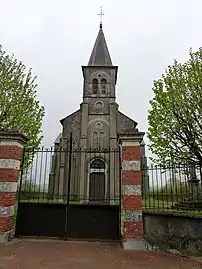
{"x":172,"y":188}
{"x":63,"y":175}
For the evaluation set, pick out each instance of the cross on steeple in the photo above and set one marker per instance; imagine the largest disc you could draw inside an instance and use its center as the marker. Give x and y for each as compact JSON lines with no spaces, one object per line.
{"x":101,"y":14}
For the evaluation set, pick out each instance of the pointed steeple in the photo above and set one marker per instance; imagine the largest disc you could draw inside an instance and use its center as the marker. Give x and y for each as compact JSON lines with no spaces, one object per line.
{"x":100,"y":55}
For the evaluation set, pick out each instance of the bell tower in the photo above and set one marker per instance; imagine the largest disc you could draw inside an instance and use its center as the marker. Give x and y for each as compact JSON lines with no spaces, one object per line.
{"x":99,"y":75}
{"x":99,"y":109}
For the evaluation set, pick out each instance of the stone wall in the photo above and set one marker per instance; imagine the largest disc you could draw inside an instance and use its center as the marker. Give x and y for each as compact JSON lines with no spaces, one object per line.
{"x":175,"y":233}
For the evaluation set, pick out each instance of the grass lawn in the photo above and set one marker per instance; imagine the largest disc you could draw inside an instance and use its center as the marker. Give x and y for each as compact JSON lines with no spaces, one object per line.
{"x":152,"y":203}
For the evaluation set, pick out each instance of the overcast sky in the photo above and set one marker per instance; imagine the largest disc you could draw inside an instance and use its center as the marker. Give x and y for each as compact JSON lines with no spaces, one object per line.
{"x":55,"y":38}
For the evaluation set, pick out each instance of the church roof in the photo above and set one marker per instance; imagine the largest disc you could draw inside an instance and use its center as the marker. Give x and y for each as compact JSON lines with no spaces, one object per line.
{"x":57,"y":140}
{"x":135,"y":123}
{"x":100,"y":55}
{"x":70,"y":115}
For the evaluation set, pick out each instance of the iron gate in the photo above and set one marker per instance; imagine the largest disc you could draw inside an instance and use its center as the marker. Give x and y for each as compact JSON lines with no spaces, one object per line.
{"x":70,"y":193}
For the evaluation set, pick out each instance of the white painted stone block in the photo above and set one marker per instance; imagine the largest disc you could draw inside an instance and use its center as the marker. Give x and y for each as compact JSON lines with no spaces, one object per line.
{"x":132,"y":190}
{"x":10,"y":164}
{"x":130,"y":143}
{"x":133,"y":244}
{"x":6,"y":211}
{"x":8,"y":186}
{"x":132,"y":215}
{"x":130,"y":165}
{"x":6,"y":237}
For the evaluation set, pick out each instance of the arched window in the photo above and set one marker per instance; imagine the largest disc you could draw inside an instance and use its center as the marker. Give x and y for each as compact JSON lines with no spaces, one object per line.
{"x":97,"y":181}
{"x":97,"y":164}
{"x":101,"y":139}
{"x":99,"y":107}
{"x":95,"y":85}
{"x":103,"y":85}
{"x":95,"y":140}
{"x":102,"y":135}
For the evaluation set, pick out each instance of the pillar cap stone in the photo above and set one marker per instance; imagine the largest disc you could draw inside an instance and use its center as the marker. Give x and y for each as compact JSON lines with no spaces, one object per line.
{"x":13,"y":135}
{"x":131,"y":137}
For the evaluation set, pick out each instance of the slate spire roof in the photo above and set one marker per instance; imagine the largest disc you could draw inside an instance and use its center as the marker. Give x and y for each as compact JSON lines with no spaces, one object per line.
{"x":100,"y":55}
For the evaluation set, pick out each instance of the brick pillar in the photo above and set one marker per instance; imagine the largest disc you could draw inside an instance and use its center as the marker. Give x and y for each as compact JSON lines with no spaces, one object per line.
{"x":11,"y":148}
{"x":133,"y":235}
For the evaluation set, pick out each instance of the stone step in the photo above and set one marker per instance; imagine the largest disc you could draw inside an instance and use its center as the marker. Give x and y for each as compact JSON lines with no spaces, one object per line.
{"x":189,"y":206}
{"x":193,"y":205}
{"x":190,"y":203}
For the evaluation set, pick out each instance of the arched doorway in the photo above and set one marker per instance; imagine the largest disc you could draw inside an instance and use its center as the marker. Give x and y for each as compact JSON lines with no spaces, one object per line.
{"x":97,"y":181}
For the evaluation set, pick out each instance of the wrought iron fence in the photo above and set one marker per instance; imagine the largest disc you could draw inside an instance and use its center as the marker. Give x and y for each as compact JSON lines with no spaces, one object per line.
{"x":70,"y":175}
{"x":172,"y":188}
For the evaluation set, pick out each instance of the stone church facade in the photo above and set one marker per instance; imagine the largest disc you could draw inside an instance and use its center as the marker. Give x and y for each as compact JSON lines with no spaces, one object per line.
{"x":95,"y":128}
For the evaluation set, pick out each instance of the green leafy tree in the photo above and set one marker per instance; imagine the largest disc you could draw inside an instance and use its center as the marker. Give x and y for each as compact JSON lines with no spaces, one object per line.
{"x":19,"y":108}
{"x":175,"y":116}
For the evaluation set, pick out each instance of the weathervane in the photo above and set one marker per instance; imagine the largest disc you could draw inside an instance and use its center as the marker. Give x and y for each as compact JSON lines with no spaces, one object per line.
{"x":101,"y":14}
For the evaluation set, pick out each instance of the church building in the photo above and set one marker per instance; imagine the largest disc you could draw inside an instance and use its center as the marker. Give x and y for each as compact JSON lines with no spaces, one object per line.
{"x":95,"y":126}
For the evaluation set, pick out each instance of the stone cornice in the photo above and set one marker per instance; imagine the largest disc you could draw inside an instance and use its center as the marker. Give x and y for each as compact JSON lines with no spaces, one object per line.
{"x":131,"y":136}
{"x":13,"y":135}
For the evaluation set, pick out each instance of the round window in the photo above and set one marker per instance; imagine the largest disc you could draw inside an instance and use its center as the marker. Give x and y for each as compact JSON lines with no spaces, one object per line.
{"x":98,"y":125}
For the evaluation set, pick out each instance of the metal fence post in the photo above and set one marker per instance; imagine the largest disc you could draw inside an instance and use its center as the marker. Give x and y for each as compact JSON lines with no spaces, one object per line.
{"x":68,"y":188}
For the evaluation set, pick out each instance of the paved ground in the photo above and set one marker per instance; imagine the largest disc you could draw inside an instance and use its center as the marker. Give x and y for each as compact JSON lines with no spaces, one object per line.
{"x":73,"y":255}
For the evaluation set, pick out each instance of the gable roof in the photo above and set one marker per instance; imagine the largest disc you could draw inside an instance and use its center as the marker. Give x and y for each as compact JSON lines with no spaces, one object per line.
{"x":62,"y":120}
